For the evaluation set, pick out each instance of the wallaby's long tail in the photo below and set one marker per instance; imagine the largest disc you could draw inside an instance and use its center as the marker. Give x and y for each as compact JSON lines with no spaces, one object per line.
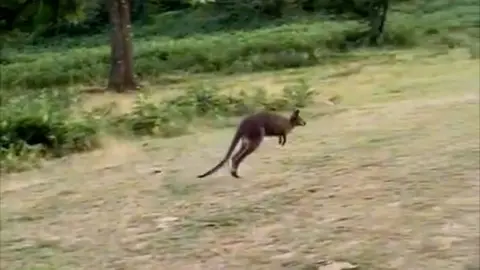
{"x":236,"y":138}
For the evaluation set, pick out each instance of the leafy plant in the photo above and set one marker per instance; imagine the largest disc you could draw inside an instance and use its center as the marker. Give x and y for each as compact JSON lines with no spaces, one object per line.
{"x":149,"y":118}
{"x":43,"y":125}
{"x":172,"y":117}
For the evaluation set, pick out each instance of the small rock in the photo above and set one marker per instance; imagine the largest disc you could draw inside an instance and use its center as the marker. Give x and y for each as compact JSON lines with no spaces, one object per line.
{"x":156,"y":171}
{"x":336,"y":265}
{"x":165,"y":223}
{"x":335,"y":99}
{"x":284,"y":256}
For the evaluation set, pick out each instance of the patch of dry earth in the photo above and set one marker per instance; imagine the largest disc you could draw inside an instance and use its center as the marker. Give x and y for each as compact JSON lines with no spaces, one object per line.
{"x":385,"y":186}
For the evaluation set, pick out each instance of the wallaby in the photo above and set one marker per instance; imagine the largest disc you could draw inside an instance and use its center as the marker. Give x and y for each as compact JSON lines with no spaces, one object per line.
{"x":251,"y":131}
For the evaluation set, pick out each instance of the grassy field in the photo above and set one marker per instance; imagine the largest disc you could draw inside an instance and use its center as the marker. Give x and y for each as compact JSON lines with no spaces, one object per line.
{"x":386,"y":179}
{"x":300,"y":41}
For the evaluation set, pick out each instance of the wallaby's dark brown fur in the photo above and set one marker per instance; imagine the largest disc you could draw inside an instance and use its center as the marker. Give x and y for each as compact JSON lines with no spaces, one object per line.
{"x":251,"y":131}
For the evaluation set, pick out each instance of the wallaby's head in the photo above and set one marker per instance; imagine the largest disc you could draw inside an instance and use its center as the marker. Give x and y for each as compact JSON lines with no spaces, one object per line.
{"x":296,"y":120}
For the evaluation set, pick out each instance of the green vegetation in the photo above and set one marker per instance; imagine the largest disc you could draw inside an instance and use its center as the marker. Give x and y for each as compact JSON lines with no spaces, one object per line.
{"x":172,"y":117}
{"x":48,"y":121}
{"x":259,"y":50}
{"x":194,"y":41}
{"x":308,"y":41}
{"x":39,"y":125}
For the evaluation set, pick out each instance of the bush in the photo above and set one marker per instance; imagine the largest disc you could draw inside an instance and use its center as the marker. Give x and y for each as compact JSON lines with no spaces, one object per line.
{"x":151,"y":118}
{"x":173,"y":117}
{"x":312,"y":40}
{"x":45,"y":124}
{"x":42,"y":125}
{"x":241,"y":52}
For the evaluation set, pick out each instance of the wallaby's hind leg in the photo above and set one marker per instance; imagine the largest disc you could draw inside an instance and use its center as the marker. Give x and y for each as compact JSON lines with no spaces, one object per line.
{"x":234,"y":164}
{"x":242,"y":148}
{"x":247,"y":148}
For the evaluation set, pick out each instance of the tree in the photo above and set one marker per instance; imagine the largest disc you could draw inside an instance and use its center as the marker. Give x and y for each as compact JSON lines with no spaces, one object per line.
{"x":378,"y":15}
{"x":31,"y":16}
{"x":121,"y":76}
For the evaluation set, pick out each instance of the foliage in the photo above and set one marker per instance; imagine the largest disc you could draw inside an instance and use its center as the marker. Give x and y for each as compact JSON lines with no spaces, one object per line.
{"x":47,"y":126}
{"x":32,"y":16}
{"x":310,"y":41}
{"x":260,"y":50}
{"x":174,"y":116}
{"x":42,"y":125}
{"x":151,"y":118}
{"x":92,"y":17}
{"x":279,"y":8}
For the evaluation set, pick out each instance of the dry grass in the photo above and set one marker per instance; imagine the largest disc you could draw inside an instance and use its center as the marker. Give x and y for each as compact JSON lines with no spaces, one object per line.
{"x":390,"y":183}
{"x":397,"y":75}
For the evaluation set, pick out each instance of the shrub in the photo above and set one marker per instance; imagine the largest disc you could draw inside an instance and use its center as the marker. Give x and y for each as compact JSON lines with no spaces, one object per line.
{"x":297,"y":95}
{"x":150,"y":118}
{"x":19,"y":158}
{"x":174,"y":116}
{"x":43,"y":125}
{"x":288,"y":46}
{"x":316,"y":40}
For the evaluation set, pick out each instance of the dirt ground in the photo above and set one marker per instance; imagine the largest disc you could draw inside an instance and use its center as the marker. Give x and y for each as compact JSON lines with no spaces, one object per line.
{"x":388,"y":179}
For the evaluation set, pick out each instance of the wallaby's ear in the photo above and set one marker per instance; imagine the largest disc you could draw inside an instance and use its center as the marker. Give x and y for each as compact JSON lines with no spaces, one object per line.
{"x":296,"y":112}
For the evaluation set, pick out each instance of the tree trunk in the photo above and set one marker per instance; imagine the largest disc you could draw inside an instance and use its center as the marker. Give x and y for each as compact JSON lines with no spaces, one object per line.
{"x":121,"y":76}
{"x":378,"y":15}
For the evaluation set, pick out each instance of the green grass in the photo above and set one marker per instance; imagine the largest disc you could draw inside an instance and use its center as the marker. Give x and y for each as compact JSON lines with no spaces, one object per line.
{"x":240,"y":52}
{"x":303,"y":43}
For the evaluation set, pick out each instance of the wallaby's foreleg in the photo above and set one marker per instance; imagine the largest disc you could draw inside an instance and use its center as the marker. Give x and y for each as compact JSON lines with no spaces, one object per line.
{"x":284,"y":137}
{"x":250,"y":146}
